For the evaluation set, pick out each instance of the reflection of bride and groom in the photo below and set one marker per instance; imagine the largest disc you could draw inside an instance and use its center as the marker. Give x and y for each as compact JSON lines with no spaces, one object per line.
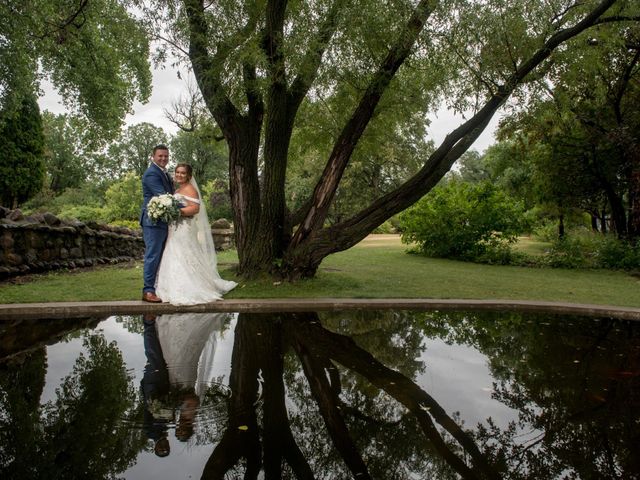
{"x":180,"y":265}
{"x":180,"y":350}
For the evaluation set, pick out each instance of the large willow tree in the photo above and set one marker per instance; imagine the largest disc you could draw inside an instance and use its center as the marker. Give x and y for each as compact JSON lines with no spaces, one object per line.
{"x":259,"y":63}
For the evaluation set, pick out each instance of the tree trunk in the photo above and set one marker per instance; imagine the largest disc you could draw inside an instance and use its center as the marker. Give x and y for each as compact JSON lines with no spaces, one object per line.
{"x":244,"y":189}
{"x":618,"y":214}
{"x":263,"y":234}
{"x":561,"y":232}
{"x":633,"y":227}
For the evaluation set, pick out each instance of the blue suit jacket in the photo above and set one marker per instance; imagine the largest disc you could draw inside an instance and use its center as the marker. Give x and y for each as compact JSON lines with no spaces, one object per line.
{"x":154,"y":182}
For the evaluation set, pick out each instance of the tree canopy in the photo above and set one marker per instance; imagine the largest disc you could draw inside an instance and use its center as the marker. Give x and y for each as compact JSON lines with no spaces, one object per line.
{"x":95,"y":53}
{"x":260,"y":65}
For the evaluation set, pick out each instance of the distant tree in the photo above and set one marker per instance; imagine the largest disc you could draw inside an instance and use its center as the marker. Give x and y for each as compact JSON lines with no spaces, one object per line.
{"x":21,"y":151}
{"x":473,"y":168}
{"x":64,"y":156}
{"x":132,"y":151}
{"x":583,"y":122}
{"x":200,"y":149}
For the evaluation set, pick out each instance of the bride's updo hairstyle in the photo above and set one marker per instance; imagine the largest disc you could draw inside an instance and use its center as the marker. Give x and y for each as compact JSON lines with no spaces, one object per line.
{"x":188,"y":168}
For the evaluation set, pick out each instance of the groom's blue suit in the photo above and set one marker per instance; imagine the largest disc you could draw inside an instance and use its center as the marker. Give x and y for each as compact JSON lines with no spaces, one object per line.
{"x":155,"y":181}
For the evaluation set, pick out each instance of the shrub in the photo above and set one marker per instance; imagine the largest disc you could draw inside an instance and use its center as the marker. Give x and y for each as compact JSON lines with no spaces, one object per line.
{"x":130,"y":224}
{"x":463,"y":221}
{"x":84,"y":213}
{"x":589,"y":250}
{"x":124,"y":198}
{"x":386,"y":227}
{"x":615,"y":253}
{"x":546,"y":231}
{"x":216,"y":193}
{"x":568,"y":252}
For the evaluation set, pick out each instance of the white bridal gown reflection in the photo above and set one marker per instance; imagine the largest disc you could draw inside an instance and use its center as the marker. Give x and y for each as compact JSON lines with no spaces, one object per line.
{"x":188,"y":342}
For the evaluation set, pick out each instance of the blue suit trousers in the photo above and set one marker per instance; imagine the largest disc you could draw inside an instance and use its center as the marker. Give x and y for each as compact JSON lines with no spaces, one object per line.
{"x":154,"y":240}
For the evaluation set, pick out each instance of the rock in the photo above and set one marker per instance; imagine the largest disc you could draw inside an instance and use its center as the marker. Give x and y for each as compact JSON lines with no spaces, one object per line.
{"x":35,"y":218}
{"x":221,"y":224}
{"x":15,"y":215}
{"x":51,"y":219}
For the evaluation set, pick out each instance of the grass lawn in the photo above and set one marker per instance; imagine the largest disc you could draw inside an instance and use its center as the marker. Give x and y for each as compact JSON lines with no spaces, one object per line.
{"x":376,"y":268}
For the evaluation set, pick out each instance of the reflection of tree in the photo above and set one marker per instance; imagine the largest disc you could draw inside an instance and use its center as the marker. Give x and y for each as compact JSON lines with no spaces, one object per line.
{"x":21,"y":384}
{"x":260,"y":344}
{"x":81,"y":434}
{"x":574,"y":382}
{"x":21,"y":336}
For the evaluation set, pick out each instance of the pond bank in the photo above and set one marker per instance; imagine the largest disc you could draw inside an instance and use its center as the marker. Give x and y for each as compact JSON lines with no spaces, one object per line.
{"x":17,"y":311}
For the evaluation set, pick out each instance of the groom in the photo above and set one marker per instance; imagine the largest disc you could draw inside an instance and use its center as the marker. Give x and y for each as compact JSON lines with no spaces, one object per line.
{"x":155,"y":181}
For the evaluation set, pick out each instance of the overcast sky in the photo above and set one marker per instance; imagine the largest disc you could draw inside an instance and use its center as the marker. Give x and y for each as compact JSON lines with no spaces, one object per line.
{"x":167,"y":88}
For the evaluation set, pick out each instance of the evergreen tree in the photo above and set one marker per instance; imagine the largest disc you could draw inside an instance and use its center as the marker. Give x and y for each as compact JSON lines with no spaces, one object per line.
{"x":21,"y":152}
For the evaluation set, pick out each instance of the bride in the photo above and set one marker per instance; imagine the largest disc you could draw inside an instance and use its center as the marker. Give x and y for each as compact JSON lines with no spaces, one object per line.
{"x":188,"y":272}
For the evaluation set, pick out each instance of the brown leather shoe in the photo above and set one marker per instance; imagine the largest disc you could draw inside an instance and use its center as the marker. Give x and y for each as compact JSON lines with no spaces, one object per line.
{"x":151,"y":297}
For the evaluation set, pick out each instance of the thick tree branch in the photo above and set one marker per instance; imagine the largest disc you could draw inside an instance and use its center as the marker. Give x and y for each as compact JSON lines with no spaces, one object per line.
{"x":348,"y":233}
{"x":342,"y":349}
{"x":353,"y":130}
{"x":313,"y":58}
{"x":206,"y":69}
{"x":617,"y":18}
{"x":622,"y":86}
{"x":328,"y":404}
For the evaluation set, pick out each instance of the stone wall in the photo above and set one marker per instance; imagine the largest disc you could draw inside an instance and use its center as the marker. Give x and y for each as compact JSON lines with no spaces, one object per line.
{"x":43,"y":242}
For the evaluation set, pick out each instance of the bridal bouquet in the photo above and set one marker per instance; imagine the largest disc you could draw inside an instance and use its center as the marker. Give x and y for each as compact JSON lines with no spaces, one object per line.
{"x":163,"y":208}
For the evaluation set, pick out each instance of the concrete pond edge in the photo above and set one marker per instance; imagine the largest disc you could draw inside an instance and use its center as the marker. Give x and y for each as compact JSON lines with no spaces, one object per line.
{"x":17,"y":311}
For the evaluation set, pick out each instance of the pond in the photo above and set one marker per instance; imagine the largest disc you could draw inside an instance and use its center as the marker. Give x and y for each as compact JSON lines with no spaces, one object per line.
{"x":362,"y":394}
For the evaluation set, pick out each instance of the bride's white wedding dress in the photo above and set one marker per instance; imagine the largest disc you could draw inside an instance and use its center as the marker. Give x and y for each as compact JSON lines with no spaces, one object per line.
{"x":188,"y":273}
{"x":188,"y":342}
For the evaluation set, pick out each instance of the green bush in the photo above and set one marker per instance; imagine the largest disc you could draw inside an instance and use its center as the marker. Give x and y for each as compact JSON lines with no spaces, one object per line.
{"x":592,"y":250}
{"x":124,"y":198}
{"x":386,"y":227}
{"x":614,"y":253}
{"x":569,"y":252}
{"x":84,"y":213}
{"x":546,"y":231}
{"x":463,"y":221}
{"x":216,"y":194}
{"x":130,"y":224}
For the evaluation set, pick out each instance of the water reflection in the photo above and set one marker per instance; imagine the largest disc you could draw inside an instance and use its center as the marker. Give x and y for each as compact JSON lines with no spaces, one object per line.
{"x":179,"y":350}
{"x":335,"y":395}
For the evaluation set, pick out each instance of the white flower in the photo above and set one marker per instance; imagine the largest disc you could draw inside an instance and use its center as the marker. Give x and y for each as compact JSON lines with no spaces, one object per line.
{"x":163,"y":208}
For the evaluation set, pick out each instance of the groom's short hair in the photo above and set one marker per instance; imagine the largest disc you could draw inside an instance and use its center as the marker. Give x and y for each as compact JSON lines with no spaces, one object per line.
{"x":160,"y":147}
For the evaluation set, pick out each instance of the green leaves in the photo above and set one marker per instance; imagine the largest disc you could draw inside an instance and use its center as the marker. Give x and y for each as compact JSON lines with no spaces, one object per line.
{"x":461,"y":220}
{"x":94,"y":52}
{"x":21,"y":152}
